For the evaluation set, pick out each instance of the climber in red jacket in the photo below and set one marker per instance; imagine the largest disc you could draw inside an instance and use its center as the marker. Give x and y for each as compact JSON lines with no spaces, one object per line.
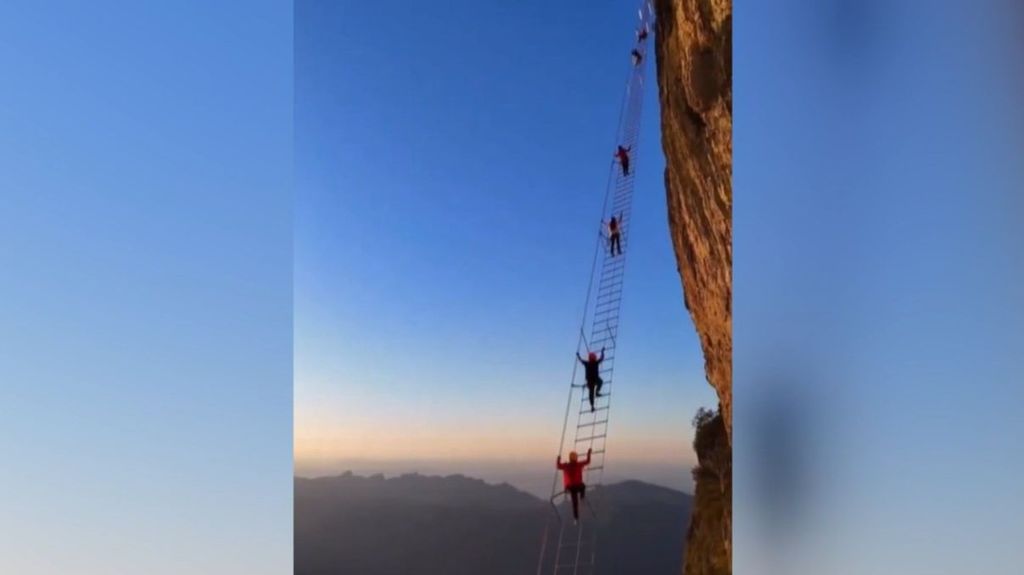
{"x":572,"y":479}
{"x":623,"y":155}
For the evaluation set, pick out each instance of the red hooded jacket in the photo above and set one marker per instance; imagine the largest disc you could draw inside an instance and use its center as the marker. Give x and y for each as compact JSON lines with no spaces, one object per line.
{"x":572,"y":473}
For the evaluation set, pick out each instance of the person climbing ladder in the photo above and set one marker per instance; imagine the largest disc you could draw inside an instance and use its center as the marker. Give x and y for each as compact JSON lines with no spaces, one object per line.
{"x":572,"y":480}
{"x":579,"y":549}
{"x":623,"y":155}
{"x":614,"y":237}
{"x":592,"y":370}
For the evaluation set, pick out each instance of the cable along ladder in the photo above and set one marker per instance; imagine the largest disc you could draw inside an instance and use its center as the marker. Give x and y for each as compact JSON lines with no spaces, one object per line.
{"x":575,"y":551}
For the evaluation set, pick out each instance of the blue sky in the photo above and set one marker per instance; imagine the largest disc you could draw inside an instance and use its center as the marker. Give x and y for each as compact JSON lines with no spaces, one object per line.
{"x":145,"y":377}
{"x":450,"y":169}
{"x":877,"y":280}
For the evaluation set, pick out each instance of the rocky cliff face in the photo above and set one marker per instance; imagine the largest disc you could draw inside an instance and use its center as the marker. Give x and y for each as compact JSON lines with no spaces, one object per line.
{"x":694,"y":49}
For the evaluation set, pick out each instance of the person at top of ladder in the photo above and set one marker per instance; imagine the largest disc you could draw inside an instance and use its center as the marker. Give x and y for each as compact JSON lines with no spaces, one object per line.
{"x":637,"y":57}
{"x":572,"y":479}
{"x":641,"y":34}
{"x":592,"y":371}
{"x":623,"y":155}
{"x":614,"y":236}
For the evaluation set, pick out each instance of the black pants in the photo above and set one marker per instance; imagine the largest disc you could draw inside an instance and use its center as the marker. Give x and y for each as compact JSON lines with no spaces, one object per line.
{"x":625,"y":167}
{"x":594,"y":387}
{"x":576,"y":493}
{"x":613,"y":242}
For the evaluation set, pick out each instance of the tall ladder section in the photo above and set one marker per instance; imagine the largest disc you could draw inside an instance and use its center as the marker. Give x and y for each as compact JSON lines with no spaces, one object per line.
{"x":573,"y":549}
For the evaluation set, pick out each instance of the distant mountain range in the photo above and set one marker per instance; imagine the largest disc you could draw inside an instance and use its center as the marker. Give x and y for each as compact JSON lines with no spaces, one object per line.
{"x":455,"y":525}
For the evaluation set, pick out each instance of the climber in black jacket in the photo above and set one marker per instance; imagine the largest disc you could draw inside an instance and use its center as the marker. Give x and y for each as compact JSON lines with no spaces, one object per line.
{"x":592,"y":370}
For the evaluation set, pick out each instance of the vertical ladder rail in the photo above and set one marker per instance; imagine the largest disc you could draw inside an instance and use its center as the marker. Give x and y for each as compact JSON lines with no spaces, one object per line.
{"x":576,"y":546}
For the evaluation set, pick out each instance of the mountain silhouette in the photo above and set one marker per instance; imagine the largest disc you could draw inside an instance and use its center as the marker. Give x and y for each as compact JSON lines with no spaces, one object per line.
{"x":456,"y":525}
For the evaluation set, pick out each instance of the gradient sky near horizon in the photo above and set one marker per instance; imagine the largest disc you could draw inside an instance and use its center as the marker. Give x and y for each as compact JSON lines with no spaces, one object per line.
{"x":450,"y":167}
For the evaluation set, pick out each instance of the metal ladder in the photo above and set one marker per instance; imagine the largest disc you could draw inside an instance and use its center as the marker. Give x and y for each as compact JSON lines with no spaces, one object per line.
{"x":575,"y":551}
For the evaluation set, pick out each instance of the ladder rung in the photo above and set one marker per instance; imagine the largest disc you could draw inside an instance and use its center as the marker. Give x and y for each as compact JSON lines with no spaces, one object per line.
{"x":592,"y":423}
{"x":615,"y":267}
{"x":609,"y":295}
{"x":591,"y":438}
{"x":612,"y":261}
